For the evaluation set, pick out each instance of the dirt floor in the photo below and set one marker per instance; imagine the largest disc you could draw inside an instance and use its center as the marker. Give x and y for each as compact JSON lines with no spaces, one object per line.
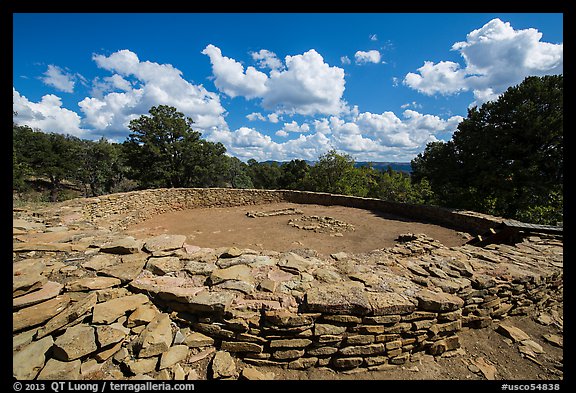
{"x":224,"y":227}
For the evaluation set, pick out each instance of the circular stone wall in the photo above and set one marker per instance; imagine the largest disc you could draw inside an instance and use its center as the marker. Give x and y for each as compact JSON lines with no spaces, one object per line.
{"x":91,"y":302}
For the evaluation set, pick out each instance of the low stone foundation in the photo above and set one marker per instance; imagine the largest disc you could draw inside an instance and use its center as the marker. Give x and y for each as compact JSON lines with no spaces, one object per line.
{"x":136,"y":206}
{"x":99,"y":304}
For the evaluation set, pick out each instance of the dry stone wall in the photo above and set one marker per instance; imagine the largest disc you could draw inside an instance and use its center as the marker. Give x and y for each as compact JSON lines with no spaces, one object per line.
{"x":136,"y":206}
{"x":99,"y":304}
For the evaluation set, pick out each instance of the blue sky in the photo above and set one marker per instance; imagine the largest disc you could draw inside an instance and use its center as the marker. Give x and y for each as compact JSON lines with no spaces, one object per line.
{"x":278,"y":86}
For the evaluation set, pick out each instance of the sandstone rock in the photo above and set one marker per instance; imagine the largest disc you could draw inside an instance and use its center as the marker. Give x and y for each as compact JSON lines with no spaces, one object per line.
{"x":325,"y":328}
{"x":174,"y":355}
{"x":290,"y":343}
{"x":400,"y":359}
{"x":57,"y":370}
{"x":25,"y":225}
{"x":223,"y":366}
{"x":142,"y":315}
{"x":237,"y":285}
{"x":76,"y":342}
{"x":207,"y":301}
{"x":362,"y":350}
{"x":70,"y":314}
{"x":107,"y":352}
{"x":482,"y":281}
{"x":327,"y":275}
{"x":111,"y":334}
{"x":27,"y":276}
{"x":196,"y":339}
{"x":321,"y":351}
{"x":156,"y":338}
{"x":417,"y":269}
{"x":236,"y":272}
{"x":164,"y":242}
{"x":201,"y":355}
{"x":288,"y":354}
{"x":487,"y":369}
{"x":253,"y":374}
{"x":512,"y":332}
{"x":285,"y":318}
{"x":202,"y":268}
{"x":268,"y":285}
{"x":302,"y":363}
{"x":163,"y":265}
{"x":346,"y":363}
{"x":387,"y":303}
{"x":233,"y":346}
{"x":124,"y":245}
{"x":28,"y":361}
{"x":554,"y":339}
{"x":141,"y":366}
{"x":111,"y":310}
{"x":437,"y":301}
{"x":337,"y":299}
{"x":50,"y":247}
{"x":231,"y":252}
{"x":179,"y":289}
{"x":360,"y":339}
{"x":533,"y":345}
{"x":92,"y":283}
{"x":128,"y":270}
{"x":294,"y":263}
{"x":37,"y":314}
{"x":101,"y":261}
{"x":49,"y":290}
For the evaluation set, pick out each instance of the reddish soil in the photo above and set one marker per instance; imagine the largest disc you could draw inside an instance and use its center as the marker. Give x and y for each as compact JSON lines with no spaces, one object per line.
{"x":225,"y":227}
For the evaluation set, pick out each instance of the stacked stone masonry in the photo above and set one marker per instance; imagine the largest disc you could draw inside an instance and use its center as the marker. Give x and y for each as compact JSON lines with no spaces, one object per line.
{"x":99,"y":304}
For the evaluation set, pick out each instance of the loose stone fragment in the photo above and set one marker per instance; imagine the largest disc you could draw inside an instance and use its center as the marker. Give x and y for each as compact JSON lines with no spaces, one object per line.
{"x":28,"y":361}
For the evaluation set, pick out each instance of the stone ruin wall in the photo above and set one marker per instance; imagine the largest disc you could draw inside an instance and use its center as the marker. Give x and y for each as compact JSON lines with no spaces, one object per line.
{"x":408,"y":300}
{"x":137,"y":206}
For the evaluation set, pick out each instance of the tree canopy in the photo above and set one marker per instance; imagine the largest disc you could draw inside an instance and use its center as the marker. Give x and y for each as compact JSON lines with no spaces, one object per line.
{"x":506,"y":157}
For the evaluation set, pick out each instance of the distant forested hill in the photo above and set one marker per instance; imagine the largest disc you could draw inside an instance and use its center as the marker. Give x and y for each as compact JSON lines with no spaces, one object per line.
{"x":381,"y":166}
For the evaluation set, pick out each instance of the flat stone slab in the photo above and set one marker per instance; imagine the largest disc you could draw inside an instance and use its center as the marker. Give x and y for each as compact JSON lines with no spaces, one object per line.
{"x":178,"y":289}
{"x":76,"y":342}
{"x":512,"y":332}
{"x":24,"y":225}
{"x":57,"y":370}
{"x":39,"y":313}
{"x":164,"y":265}
{"x":124,"y":245}
{"x":108,"y":312}
{"x":27,"y":276}
{"x":438,"y":301}
{"x":27,"y":363}
{"x":164,"y":242}
{"x":389,"y":303}
{"x":337,"y":299}
{"x":156,"y":338}
{"x":49,"y":290}
{"x":236,"y":272}
{"x":129,"y":268}
{"x":69,"y":314}
{"x":92,"y":283}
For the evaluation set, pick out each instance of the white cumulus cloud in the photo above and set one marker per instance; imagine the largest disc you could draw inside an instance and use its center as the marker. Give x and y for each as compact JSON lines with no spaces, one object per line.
{"x":59,"y":79}
{"x":267,"y":59}
{"x":371,"y":56}
{"x":306,"y":85}
{"x":496,"y":56}
{"x":231,"y":78}
{"x":152,"y":84}
{"x":47,"y":115}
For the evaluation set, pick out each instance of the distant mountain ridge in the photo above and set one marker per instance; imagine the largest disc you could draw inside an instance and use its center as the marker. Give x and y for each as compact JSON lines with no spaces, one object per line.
{"x":379,"y":165}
